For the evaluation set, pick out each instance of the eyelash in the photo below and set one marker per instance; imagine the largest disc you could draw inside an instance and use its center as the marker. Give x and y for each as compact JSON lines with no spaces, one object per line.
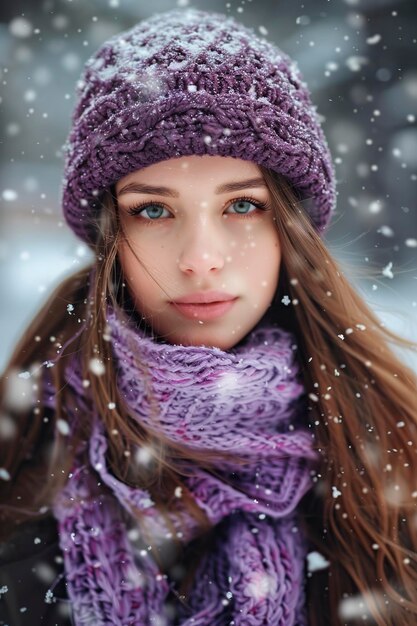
{"x":260,"y":206}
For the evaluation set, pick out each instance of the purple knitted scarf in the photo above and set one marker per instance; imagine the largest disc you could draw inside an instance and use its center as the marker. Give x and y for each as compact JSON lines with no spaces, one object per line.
{"x":246,"y":401}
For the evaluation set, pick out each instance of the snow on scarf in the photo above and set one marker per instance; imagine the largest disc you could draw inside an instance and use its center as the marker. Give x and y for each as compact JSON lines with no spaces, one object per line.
{"x":245,"y":401}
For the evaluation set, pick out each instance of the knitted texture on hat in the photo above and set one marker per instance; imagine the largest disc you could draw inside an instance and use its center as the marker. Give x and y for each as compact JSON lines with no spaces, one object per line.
{"x":188,"y":82}
{"x":246,"y":402}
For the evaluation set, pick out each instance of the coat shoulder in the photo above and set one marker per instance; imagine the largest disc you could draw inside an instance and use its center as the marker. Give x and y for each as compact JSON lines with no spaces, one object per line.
{"x":32,"y":579}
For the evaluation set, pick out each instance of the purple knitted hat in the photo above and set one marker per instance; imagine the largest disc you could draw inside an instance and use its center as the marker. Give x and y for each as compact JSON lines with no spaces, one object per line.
{"x":190,"y":82}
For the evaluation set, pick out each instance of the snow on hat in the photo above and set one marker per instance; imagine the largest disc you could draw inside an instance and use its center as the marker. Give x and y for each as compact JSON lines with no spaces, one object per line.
{"x":190,"y":82}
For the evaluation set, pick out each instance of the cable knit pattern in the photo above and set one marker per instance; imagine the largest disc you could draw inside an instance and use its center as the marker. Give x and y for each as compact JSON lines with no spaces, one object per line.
{"x":248,"y":402}
{"x":188,"y":82}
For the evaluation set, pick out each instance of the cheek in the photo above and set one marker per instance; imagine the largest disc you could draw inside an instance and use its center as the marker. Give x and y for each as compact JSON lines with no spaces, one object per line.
{"x":274,"y":264}
{"x":147,"y":273}
{"x":133,"y":271}
{"x":146,"y":251}
{"x":134,"y":258}
{"x":264,"y":260}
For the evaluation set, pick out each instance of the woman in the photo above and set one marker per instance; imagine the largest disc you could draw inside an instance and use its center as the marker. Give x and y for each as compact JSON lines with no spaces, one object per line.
{"x":217,"y":401}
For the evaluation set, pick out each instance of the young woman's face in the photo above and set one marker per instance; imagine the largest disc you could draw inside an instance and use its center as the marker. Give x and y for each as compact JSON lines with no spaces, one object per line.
{"x":200,"y":229}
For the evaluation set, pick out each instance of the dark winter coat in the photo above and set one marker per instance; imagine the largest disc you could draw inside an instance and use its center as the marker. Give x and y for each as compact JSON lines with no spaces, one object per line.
{"x":32,"y":582}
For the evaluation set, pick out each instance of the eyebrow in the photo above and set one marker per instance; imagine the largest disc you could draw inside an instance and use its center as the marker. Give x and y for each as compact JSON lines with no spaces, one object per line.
{"x":166,"y":191}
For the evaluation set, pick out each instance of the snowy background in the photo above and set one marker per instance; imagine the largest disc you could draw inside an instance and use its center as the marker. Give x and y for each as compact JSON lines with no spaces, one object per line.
{"x":358,"y":57}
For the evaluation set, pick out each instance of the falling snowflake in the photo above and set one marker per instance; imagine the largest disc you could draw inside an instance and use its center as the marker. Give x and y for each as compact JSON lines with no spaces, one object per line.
{"x":356,"y":63}
{"x":96,"y":367}
{"x":63,"y":427}
{"x":144,"y":455}
{"x":316,"y":562}
{"x":49,"y":596}
{"x":358,"y":606}
{"x":335,"y":492}
{"x":387,"y":271}
{"x":4,"y":474}
{"x":371,"y":41}
{"x":228,"y":382}
{"x":261,"y":586}
{"x":386,"y":231}
{"x":20,"y":27}
{"x":9,"y":195}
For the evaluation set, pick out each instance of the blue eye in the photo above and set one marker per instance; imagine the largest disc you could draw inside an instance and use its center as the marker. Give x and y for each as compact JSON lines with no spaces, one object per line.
{"x":149,"y":211}
{"x":243,"y":206}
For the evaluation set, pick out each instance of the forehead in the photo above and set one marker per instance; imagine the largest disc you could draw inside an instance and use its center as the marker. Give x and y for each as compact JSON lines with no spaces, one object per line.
{"x":193,"y":172}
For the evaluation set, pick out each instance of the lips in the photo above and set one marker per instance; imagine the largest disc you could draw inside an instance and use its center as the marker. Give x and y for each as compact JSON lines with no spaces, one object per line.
{"x":205,"y":306}
{"x":205,"y":297}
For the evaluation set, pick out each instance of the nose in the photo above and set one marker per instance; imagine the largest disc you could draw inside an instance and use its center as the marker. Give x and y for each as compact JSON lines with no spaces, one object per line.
{"x":202,"y":250}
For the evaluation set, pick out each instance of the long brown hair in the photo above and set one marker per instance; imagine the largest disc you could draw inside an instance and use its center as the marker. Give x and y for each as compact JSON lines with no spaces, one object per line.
{"x":364,"y":412}
{"x":361,"y":514}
